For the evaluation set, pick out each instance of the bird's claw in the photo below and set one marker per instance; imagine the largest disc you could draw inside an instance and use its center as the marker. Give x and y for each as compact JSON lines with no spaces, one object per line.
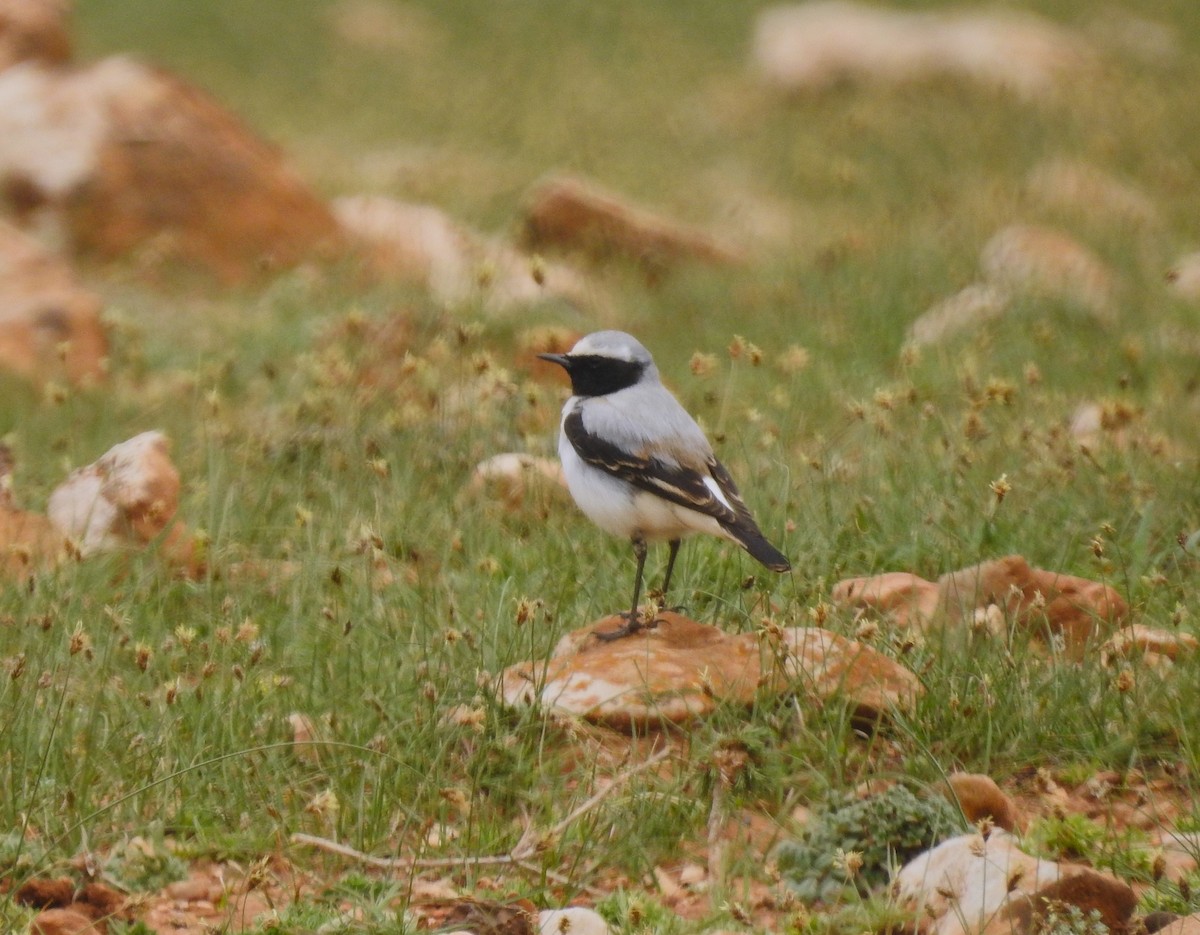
{"x":633,"y":624}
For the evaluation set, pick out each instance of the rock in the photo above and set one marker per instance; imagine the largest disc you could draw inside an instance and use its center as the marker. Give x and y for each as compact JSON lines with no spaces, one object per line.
{"x":125,"y":156}
{"x":1076,"y":609}
{"x":50,"y":326}
{"x":817,"y":45}
{"x":907,"y":598}
{"x":574,"y":920}
{"x":971,"y":885}
{"x":681,"y":670}
{"x":28,"y":541}
{"x":969,"y":308}
{"x":129,"y":497}
{"x":1081,"y":887}
{"x":980,"y":798}
{"x":1043,"y":262}
{"x":422,"y":244}
{"x":34,"y":30}
{"x":63,"y":922}
{"x":1188,"y":925}
{"x":1078,"y":186}
{"x":992,"y":594}
{"x":574,"y":214}
{"x":194,"y":889}
{"x":955,"y":888}
{"x":513,"y":477}
{"x":1139,"y":638}
{"x":1184,"y":277}
{"x":1160,"y":919}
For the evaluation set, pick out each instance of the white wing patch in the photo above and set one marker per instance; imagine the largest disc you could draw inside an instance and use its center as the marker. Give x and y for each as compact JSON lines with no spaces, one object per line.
{"x":717,"y":491}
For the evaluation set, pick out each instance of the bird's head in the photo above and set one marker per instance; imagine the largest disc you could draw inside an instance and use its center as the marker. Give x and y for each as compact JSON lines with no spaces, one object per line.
{"x":605,"y":362}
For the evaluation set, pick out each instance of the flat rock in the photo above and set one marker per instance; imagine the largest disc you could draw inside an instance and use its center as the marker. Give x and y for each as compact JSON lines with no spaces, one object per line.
{"x":682,"y":670}
{"x":1139,"y":639}
{"x":576,"y":214}
{"x":1078,"y":611}
{"x":810,"y":47}
{"x":422,"y":244}
{"x":1041,"y":261}
{"x":968,"y":308}
{"x":124,"y":156}
{"x":50,"y":327}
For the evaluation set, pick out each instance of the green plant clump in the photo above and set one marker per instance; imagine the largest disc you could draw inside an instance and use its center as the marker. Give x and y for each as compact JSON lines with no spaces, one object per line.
{"x":884,"y":831}
{"x":1064,"y":919}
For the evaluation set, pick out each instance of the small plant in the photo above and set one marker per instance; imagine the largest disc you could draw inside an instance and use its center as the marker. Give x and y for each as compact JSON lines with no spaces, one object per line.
{"x":857,"y":845}
{"x":1065,"y":919}
{"x":635,"y":912}
{"x":1066,"y":837}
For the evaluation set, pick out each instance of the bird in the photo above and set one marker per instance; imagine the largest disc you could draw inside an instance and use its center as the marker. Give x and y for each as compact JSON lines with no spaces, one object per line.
{"x":638,"y":465}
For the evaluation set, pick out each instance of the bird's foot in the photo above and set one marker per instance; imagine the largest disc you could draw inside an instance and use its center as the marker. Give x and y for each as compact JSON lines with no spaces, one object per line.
{"x":634,"y":623}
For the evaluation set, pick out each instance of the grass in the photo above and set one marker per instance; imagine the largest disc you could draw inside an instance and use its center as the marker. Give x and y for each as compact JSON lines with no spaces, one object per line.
{"x":172,"y":712}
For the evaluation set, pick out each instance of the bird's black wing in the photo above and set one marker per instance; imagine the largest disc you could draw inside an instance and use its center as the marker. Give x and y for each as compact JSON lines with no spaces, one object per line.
{"x":674,"y":482}
{"x":678,"y":484}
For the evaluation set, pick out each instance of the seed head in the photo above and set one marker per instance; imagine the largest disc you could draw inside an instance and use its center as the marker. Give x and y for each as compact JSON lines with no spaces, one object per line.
{"x":702,"y":365}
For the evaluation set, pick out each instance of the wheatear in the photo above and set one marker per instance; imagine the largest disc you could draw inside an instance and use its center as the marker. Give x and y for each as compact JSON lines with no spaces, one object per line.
{"x":639,"y":466}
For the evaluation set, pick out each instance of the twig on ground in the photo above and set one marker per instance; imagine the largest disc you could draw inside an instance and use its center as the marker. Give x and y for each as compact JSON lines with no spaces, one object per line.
{"x":519,"y":856}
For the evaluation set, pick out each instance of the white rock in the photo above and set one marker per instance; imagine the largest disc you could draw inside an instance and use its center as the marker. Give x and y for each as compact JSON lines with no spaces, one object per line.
{"x":968,"y":308}
{"x":962,"y":883}
{"x":811,"y":46}
{"x":126,"y":496}
{"x":573,"y":921}
{"x":1184,"y":277}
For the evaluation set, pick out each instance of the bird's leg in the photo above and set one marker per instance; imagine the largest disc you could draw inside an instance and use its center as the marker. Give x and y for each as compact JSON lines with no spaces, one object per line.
{"x":666,"y":585}
{"x":633,"y":621}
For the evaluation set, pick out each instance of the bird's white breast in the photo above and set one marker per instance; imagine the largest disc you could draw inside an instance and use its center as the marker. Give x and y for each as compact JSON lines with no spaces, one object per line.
{"x":620,"y":508}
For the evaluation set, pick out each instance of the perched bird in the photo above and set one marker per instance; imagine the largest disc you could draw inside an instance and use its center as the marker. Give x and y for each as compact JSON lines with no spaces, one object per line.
{"x":639,"y":466}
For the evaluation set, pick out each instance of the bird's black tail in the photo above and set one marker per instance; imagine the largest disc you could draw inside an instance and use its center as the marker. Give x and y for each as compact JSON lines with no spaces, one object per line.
{"x":750,"y":538}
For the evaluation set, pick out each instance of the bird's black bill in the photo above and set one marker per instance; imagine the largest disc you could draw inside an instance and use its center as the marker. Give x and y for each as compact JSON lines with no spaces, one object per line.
{"x":561,"y":359}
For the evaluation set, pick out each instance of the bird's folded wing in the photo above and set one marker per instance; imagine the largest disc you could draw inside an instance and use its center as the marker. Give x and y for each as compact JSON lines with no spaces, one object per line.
{"x":711,"y":492}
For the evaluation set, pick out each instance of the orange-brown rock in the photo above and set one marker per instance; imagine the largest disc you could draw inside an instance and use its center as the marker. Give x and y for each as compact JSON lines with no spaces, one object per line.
{"x":50,"y":325}
{"x":126,"y":156}
{"x":980,"y":798}
{"x":34,"y":30}
{"x":424,"y":245}
{"x":64,"y":922}
{"x":128,"y":497}
{"x":568,"y":212}
{"x":1086,"y":889}
{"x":993,"y":594}
{"x":1141,"y":639}
{"x":28,"y":541}
{"x":1078,"y":610}
{"x":1188,"y":925}
{"x":681,"y":670}
{"x":907,"y":598}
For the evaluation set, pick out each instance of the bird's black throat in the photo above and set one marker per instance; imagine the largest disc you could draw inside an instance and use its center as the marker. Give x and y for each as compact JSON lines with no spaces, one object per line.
{"x":597,"y":375}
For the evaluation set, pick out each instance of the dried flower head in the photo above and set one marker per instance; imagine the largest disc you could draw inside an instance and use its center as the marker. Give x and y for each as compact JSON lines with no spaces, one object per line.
{"x":702,"y":365}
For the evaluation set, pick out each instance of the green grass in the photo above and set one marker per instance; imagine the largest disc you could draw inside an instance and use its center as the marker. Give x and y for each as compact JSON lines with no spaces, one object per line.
{"x":865,"y":452}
